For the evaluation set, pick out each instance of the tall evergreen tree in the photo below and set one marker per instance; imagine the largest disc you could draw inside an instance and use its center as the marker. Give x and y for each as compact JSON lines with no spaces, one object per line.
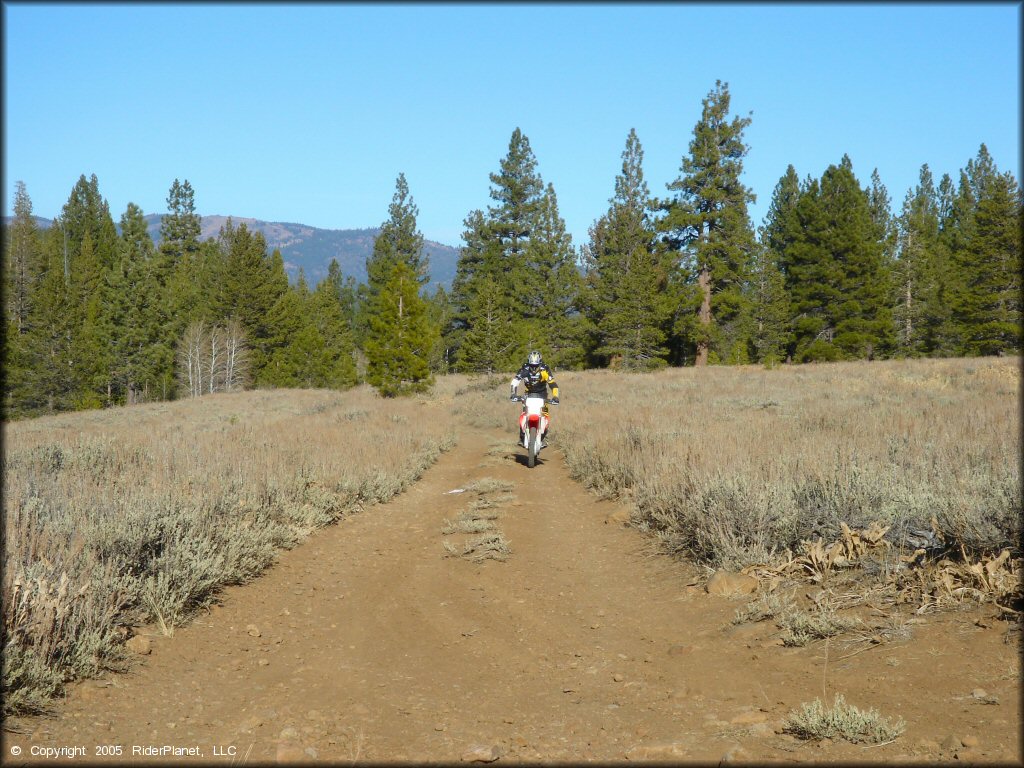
{"x":626,"y":283}
{"x":708,"y":225}
{"x":478,"y":261}
{"x":517,"y":189}
{"x":21,"y":271}
{"x":89,"y":253}
{"x":176,"y":275}
{"x":778,"y":223}
{"x":252,"y":284}
{"x":770,"y":307}
{"x":549,"y":296}
{"x":520,"y":250}
{"x":137,"y":296}
{"x":919,"y":274}
{"x":489,"y":343}
{"x":401,"y":336}
{"x":181,"y":227}
{"x":439,"y":309}
{"x":91,"y":344}
{"x":21,"y":259}
{"x":986,"y":295}
{"x":328,"y":315}
{"x":180,"y":247}
{"x":87,"y":213}
{"x":880,"y":205}
{"x":399,"y":240}
{"x":50,"y":382}
{"x":295,"y":346}
{"x":836,"y":275}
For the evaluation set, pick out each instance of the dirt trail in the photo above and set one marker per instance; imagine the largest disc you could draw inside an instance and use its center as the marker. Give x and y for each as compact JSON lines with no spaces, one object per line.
{"x":368,"y":643}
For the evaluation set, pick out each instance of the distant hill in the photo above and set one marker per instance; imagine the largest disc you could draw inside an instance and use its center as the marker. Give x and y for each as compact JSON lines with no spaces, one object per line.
{"x":312,"y":249}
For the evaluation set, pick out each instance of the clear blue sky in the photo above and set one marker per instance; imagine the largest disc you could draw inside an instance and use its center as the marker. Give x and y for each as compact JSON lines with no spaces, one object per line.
{"x":307,"y":113}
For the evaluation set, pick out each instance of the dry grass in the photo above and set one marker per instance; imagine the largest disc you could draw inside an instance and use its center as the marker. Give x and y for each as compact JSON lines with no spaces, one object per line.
{"x":801,"y":627}
{"x":843,"y":721}
{"x":488,"y":546}
{"x":765,"y":606}
{"x":737,"y":466}
{"x":133,"y":515}
{"x":486,"y":541}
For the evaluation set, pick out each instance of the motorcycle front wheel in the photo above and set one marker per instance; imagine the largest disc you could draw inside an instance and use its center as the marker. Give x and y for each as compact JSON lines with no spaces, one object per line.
{"x":534,"y":442}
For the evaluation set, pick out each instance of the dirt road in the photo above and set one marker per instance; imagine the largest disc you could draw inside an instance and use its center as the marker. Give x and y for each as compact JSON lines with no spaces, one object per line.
{"x":370,"y":642}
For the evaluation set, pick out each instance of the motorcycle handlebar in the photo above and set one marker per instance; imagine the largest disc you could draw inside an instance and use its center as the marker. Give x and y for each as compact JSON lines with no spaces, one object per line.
{"x":522,"y":399}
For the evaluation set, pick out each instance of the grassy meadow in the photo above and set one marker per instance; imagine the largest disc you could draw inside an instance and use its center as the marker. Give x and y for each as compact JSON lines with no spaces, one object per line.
{"x":905,"y":472}
{"x":138,"y":515}
{"x":735,"y":466}
{"x":747,"y":468}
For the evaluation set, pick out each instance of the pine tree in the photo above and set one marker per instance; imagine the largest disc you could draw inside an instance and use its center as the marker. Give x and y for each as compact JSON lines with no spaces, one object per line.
{"x":626,"y":281}
{"x":22,"y":269}
{"x":91,"y":261}
{"x":707,"y":224}
{"x":251,"y":285}
{"x":520,"y":250}
{"x":489,"y":343}
{"x":919,"y":271}
{"x":329,"y":318}
{"x":87,"y":213}
{"x":813,"y":277}
{"x":517,"y":189}
{"x":770,"y":308}
{"x":91,"y":344}
{"x":291,"y":349}
{"x":957,"y":205}
{"x":836,"y":275}
{"x":439,"y":310}
{"x":880,"y":205}
{"x":401,"y":337}
{"x":21,"y":259}
{"x":139,"y":333}
{"x":985,"y":294}
{"x":550,"y":298}
{"x":181,"y":227}
{"x":399,"y":240}
{"x":778,"y":226}
{"x":180,"y":249}
{"x":49,"y":381}
{"x":478,"y":260}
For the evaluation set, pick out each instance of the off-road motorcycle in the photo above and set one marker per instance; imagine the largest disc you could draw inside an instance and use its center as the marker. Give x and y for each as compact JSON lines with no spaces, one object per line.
{"x":533,"y":423}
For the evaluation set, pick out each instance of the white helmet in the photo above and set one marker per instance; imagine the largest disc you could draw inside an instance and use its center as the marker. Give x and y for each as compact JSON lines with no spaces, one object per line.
{"x":534,"y":358}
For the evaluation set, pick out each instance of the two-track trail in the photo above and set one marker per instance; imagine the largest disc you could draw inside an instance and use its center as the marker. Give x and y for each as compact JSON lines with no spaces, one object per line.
{"x":370,"y":642}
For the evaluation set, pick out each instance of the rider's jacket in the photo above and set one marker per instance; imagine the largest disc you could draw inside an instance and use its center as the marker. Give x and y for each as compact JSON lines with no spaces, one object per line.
{"x":537,"y":379}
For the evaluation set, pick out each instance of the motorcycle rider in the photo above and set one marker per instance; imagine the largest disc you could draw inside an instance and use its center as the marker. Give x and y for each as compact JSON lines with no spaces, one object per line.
{"x":537,"y":377}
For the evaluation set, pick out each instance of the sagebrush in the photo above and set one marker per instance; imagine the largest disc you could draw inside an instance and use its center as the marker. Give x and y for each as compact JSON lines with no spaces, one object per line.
{"x":734,"y":465}
{"x":140,"y":515}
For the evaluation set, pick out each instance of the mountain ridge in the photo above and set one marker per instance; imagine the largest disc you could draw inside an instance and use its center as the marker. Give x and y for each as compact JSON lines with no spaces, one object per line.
{"x":311,"y":248}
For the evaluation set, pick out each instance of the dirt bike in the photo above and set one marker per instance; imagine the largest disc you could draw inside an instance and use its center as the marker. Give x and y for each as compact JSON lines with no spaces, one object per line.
{"x":533,"y":423}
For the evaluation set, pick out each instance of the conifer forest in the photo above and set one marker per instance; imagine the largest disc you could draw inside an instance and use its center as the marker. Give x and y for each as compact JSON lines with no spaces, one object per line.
{"x":99,"y":314}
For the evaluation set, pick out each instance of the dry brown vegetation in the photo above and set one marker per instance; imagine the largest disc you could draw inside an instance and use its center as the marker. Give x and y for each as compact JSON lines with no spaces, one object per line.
{"x":908,"y":471}
{"x":890,"y":485}
{"x":735,"y":466}
{"x":485,"y":541}
{"x":135,"y":515}
{"x":905,"y":472}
